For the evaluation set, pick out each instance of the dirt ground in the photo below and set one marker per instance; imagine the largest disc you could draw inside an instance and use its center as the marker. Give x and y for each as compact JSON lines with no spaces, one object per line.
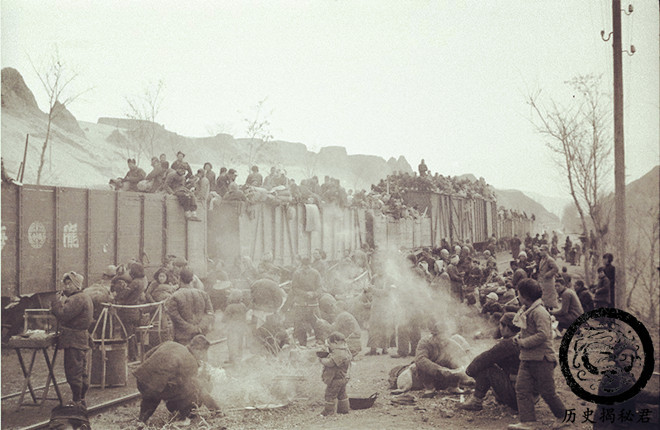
{"x":368,"y":375}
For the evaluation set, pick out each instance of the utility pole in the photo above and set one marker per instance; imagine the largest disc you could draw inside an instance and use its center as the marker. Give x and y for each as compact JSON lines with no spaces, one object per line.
{"x":619,"y":160}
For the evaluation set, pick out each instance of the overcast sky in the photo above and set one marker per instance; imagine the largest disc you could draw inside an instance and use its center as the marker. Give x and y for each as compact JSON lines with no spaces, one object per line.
{"x":440,"y":80}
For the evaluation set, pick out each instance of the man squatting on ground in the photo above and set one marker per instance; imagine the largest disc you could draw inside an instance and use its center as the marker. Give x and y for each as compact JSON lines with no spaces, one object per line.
{"x":435,"y":361}
{"x":74,"y":311}
{"x":169,"y":373}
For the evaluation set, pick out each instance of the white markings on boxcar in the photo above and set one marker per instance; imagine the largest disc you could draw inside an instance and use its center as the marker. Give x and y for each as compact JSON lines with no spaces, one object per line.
{"x":70,"y":236}
{"x":4,"y":237}
{"x":37,"y":235}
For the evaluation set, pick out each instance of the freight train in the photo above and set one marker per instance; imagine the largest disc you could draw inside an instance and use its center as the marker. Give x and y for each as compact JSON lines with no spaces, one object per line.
{"x":48,"y":231}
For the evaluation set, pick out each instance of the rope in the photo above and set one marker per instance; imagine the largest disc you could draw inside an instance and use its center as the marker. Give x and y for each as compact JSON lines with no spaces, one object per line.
{"x":146,"y":305}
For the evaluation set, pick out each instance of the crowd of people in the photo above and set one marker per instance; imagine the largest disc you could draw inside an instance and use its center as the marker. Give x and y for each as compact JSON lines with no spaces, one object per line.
{"x":336,"y":301}
{"x":276,"y":188}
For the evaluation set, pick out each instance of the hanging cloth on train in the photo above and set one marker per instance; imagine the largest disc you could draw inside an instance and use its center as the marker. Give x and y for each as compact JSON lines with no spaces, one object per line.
{"x":312,"y":218}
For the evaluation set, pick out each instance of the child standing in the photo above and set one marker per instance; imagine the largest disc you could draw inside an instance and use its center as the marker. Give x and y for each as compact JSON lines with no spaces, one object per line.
{"x":235,"y":318}
{"x":537,"y":357}
{"x":335,"y":374}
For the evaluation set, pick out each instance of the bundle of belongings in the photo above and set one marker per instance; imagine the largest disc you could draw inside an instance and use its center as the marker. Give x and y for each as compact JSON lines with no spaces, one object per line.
{"x":276,"y":196}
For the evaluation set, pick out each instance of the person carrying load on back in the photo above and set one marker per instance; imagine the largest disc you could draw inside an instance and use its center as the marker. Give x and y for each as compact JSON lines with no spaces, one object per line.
{"x":74,"y":311}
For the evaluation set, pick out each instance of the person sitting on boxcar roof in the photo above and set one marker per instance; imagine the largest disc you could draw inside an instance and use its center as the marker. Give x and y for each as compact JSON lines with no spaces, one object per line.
{"x":170,"y":373}
{"x":154,"y":179}
{"x":74,"y":312}
{"x":190,"y":310}
{"x":175,"y":183}
{"x":164,"y":163}
{"x":133,"y":176}
{"x":233,"y":191}
{"x":202,"y":187}
{"x":210,"y":175}
{"x":222,"y":183}
{"x":254,"y":179}
{"x":180,"y":163}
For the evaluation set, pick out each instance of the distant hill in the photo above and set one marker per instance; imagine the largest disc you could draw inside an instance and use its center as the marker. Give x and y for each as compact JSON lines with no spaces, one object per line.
{"x":514,"y":199}
{"x":85,"y":154}
{"x":553,"y":204}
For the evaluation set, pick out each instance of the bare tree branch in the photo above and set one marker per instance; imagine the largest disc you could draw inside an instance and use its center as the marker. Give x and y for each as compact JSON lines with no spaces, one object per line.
{"x":56,"y":78}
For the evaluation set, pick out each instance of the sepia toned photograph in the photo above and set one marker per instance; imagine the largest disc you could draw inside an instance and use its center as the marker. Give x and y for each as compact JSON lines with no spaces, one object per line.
{"x":330,"y":214}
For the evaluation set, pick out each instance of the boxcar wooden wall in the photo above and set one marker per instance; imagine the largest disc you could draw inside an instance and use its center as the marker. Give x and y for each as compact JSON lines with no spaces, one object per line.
{"x":238,"y":229}
{"x":48,"y":231}
{"x":453,"y":217}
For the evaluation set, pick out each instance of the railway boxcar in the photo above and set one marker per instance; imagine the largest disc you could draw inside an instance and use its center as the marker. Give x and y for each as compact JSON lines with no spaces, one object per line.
{"x":240,"y":229}
{"x":48,"y":231}
{"x":455,"y":218}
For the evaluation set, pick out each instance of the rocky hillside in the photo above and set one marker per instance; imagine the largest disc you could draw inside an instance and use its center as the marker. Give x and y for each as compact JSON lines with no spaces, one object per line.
{"x":85,"y":154}
{"x":514,"y":199}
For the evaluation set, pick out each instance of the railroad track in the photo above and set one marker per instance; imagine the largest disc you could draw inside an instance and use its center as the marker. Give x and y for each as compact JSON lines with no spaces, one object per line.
{"x":97,"y":409}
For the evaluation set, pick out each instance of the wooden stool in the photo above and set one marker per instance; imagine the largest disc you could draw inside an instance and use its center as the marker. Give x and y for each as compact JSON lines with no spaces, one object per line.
{"x":19,"y":343}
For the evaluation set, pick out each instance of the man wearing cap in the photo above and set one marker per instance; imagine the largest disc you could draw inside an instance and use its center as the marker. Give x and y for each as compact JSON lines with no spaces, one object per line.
{"x":175,"y":184}
{"x":496,"y":368}
{"x":180,"y":163}
{"x":74,"y":312}
{"x":571,"y":308}
{"x":170,"y":373}
{"x":546,"y":277}
{"x":305,"y":291}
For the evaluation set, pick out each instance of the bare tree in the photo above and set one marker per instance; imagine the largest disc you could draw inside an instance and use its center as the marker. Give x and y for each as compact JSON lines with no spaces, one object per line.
{"x":56,"y":78}
{"x":579,"y":135}
{"x":143,"y":109}
{"x":258,"y":131}
{"x":642,"y":264}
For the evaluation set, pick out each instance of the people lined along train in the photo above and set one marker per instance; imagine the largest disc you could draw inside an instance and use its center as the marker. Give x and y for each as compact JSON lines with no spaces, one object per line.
{"x":277,"y":188}
{"x":278,"y":306}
